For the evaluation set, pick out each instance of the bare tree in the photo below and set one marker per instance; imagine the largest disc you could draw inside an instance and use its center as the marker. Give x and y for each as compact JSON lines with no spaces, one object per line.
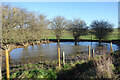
{"x":6,"y":23}
{"x":101,"y":29}
{"x":43,"y":24}
{"x":78,"y":28}
{"x":19,"y":25}
{"x":58,"y":25}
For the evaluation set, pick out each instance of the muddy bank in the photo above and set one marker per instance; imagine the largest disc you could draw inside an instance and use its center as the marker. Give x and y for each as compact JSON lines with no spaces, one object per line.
{"x":14,"y":46}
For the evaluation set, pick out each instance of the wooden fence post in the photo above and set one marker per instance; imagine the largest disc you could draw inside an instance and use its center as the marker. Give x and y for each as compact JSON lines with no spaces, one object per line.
{"x":7,"y":63}
{"x":89,"y":52}
{"x":63,"y":58}
{"x":93,"y":53}
{"x":0,"y":65}
{"x":59,"y":57}
{"x":111,"y":49}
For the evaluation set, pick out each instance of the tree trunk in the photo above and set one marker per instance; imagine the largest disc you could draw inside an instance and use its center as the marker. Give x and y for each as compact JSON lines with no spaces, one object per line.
{"x":75,"y":40}
{"x":23,"y":44}
{"x":33,"y":44}
{"x":48,"y":41}
{"x":99,"y":41}
{"x":27,"y":43}
{"x":58,"y":41}
{"x":45,"y":41}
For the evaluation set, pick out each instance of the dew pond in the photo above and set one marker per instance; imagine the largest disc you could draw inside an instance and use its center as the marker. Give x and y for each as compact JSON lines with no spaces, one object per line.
{"x":45,"y":51}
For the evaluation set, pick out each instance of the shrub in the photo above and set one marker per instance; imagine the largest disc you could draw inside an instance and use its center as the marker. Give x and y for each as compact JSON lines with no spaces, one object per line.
{"x":104,"y":67}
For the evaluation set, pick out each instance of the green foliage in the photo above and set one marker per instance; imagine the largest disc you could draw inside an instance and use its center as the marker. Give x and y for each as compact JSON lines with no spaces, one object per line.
{"x":14,"y":75}
{"x":101,"y":29}
{"x":51,"y":74}
{"x":41,"y":74}
{"x":26,"y":72}
{"x":30,"y":75}
{"x":112,"y":66}
{"x":35,"y":73}
{"x":66,"y":66}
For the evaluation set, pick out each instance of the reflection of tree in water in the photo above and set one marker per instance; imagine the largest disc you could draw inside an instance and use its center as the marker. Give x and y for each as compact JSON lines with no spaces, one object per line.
{"x":24,"y":58}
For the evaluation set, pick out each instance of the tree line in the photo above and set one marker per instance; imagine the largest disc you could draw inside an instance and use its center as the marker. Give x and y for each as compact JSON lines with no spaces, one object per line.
{"x":101,"y":29}
{"x":22,"y":26}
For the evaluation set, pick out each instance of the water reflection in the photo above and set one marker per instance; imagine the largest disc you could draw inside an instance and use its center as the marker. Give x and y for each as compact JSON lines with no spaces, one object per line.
{"x":45,"y":51}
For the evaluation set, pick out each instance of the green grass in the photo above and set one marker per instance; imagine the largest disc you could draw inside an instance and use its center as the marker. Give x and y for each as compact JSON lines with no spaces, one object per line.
{"x":68,"y":35}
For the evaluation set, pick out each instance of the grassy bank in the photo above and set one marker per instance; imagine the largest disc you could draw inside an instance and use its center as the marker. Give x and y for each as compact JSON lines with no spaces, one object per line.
{"x":68,"y":35}
{"x":100,"y":67}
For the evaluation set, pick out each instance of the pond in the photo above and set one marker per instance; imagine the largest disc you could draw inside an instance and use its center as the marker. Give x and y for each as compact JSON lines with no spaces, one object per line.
{"x":45,"y":51}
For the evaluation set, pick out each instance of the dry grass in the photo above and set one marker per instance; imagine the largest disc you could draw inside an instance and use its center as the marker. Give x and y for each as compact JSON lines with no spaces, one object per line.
{"x":104,"y":67}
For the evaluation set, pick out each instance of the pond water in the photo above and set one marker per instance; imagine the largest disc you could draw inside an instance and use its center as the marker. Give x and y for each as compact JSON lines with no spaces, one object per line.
{"x":39,"y":52}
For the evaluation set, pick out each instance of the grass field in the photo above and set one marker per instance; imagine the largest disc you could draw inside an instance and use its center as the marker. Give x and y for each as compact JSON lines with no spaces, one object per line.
{"x":68,"y":35}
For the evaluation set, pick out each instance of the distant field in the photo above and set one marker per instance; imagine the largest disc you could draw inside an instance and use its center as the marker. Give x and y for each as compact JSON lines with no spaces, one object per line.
{"x":68,"y":35}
